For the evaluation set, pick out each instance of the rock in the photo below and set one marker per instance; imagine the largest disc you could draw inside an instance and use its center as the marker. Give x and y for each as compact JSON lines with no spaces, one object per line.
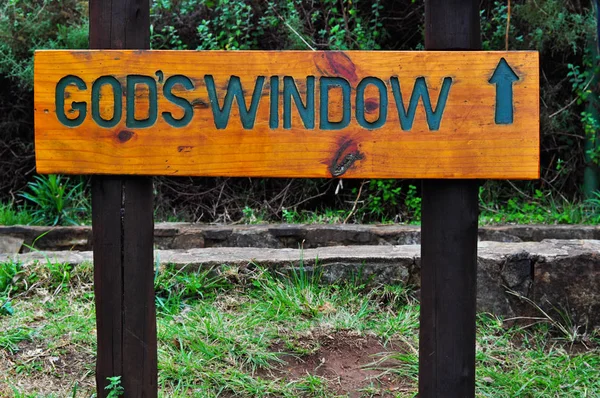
{"x":333,"y":235}
{"x":171,"y":236}
{"x":568,"y":289}
{"x":10,"y":244}
{"x":51,"y":238}
{"x":397,"y":234}
{"x":166,"y":234}
{"x":497,"y":235}
{"x":187,"y":240}
{"x":517,"y":272}
{"x":214,"y":236}
{"x":256,"y":237}
{"x":538,"y":233}
{"x":491,"y":293}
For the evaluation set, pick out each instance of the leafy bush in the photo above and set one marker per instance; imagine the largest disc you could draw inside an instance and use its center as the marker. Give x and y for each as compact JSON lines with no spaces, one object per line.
{"x":57,"y":200}
{"x":29,"y":25}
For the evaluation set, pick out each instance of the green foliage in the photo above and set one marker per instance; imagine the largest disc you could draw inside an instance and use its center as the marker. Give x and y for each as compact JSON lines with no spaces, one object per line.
{"x":9,"y":275}
{"x":316,"y":386}
{"x":582,"y":83}
{"x":345,"y":28}
{"x":29,"y":25}
{"x":539,"y":208}
{"x":493,"y":27}
{"x":553,"y":25}
{"x":57,"y":200}
{"x":13,"y":279}
{"x":11,"y":215}
{"x":547,"y":26}
{"x":6,"y":307}
{"x":251,"y":216}
{"x":526,"y":363}
{"x":322,"y":216}
{"x":230,"y":27}
{"x":296,"y":294}
{"x":9,"y":272}
{"x":173,"y":287}
{"x":413,"y":204}
{"x":10,"y":338}
{"x":382,"y":193}
{"x":295,"y":34}
{"x":281,"y":24}
{"x":114,"y":387}
{"x":59,"y":275}
{"x":385,"y":202}
{"x":220,"y":24}
{"x":289,"y":216}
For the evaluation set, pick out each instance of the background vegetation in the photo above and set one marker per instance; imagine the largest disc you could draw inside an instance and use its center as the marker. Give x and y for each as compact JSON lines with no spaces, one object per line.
{"x":564,"y":31}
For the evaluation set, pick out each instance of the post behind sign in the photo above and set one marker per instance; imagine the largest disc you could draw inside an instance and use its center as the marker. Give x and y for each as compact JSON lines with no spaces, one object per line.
{"x":449,"y":239}
{"x":123,"y":227}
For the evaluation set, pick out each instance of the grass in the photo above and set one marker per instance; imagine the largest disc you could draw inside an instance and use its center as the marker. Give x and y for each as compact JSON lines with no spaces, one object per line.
{"x":11,"y":215}
{"x":251,"y":333}
{"x":540,"y":210}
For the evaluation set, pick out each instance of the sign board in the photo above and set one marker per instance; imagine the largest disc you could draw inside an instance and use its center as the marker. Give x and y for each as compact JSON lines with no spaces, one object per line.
{"x":354,"y":114}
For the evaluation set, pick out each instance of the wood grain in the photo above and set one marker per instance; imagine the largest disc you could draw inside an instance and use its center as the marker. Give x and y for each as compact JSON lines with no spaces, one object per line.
{"x":468,"y":143}
{"x":122,"y":223}
{"x":449,"y":240}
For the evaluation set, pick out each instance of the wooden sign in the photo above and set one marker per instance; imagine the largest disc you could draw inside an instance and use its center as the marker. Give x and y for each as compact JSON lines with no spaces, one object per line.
{"x":288,"y":114}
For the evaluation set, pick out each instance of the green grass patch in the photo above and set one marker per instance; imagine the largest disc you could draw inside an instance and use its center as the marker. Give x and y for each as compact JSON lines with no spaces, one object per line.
{"x":253,"y":333}
{"x":11,"y":215}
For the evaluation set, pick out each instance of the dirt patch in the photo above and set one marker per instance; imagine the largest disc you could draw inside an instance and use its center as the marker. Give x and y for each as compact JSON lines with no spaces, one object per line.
{"x":38,"y":370}
{"x":352,"y":364}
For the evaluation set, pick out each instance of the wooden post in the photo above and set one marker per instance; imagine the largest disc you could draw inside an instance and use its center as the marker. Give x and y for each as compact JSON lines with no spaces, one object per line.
{"x":123,"y":226}
{"x":449,"y":240}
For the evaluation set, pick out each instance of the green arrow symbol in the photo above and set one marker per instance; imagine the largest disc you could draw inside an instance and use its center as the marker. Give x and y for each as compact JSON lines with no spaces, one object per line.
{"x":503,"y":78}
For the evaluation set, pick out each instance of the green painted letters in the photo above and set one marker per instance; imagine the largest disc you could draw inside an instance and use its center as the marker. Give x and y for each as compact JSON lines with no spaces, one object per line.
{"x":188,"y":109}
{"x":117,"y":101}
{"x":234,"y":90}
{"x":59,"y":99}
{"x":132,"y":82}
{"x":382,"y":103}
{"x":307,"y":112}
{"x":274,"y":105}
{"x":325,"y":83}
{"x":291,"y":92}
{"x":407,"y":117}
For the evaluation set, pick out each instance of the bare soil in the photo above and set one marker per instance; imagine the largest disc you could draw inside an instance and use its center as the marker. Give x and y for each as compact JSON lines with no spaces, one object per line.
{"x":39,"y":372}
{"x":351,"y":364}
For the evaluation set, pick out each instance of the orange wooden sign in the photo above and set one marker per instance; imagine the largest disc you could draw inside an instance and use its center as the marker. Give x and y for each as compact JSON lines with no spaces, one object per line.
{"x":288,"y":114}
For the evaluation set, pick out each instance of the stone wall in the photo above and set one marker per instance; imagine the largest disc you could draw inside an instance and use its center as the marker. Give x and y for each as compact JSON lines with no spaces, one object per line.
{"x":189,"y":236}
{"x":522,"y":270}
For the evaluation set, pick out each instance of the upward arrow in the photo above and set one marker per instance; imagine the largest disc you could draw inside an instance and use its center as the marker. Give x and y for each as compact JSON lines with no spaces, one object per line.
{"x":503,"y":78}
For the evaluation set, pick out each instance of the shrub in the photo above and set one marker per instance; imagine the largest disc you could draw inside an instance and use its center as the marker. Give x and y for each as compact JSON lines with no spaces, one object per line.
{"x":56,"y":200}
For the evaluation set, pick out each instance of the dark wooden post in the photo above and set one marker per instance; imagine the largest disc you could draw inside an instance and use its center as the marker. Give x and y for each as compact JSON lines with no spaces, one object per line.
{"x":123,"y":226}
{"x":449,"y":240}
